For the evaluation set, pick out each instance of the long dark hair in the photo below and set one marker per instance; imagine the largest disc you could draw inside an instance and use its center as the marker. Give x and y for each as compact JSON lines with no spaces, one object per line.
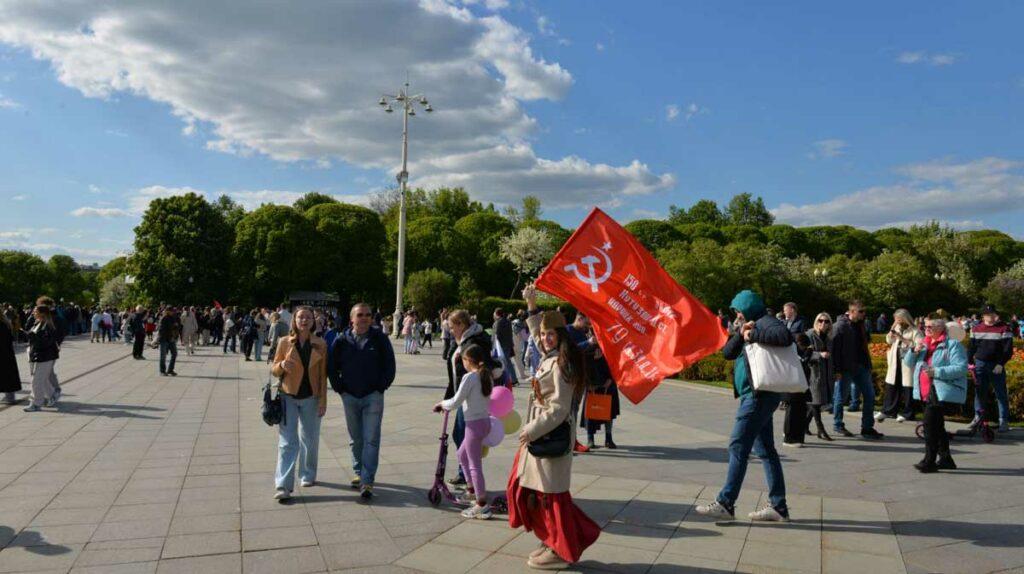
{"x":478,"y":355}
{"x":571,"y":361}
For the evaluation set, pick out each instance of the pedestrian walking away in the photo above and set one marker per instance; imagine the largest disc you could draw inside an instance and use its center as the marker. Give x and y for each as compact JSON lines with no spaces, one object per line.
{"x":168,"y":334}
{"x":301,"y":367}
{"x":753,"y":428}
{"x":10,"y":377}
{"x":361,"y":369}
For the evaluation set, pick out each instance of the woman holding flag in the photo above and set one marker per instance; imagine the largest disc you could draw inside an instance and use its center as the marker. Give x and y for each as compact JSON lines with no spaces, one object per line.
{"x":538,"y":486}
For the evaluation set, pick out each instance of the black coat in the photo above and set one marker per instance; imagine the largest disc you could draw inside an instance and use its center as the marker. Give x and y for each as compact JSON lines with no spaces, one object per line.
{"x":821,"y":376}
{"x":459,"y":370}
{"x":43,"y":344}
{"x":849,"y":345}
{"x":10,"y":378}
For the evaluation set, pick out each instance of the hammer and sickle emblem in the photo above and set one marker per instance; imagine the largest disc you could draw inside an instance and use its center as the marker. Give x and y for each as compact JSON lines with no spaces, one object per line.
{"x":589,"y":261}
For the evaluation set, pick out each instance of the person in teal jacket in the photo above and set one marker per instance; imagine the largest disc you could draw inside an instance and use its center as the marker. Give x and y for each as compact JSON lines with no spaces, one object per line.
{"x":940,"y":379}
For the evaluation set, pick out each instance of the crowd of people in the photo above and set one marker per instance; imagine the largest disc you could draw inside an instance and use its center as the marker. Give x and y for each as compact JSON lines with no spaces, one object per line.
{"x":311,"y":350}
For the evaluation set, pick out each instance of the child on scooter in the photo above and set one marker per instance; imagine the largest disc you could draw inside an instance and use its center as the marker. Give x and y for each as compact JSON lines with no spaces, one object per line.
{"x":473,"y":395}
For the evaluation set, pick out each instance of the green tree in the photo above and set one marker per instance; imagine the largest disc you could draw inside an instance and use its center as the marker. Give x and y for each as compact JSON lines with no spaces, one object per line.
{"x":742,"y":234}
{"x":530,"y":211}
{"x":743,"y":209}
{"x":232,"y":211}
{"x":65,"y":280}
{"x":704,"y":211}
{"x":116,"y":267}
{"x":1006,"y":290}
{"x":654,"y":234}
{"x":827,"y":240}
{"x":181,"y":250}
{"x":894,"y":279}
{"x":695,"y":231}
{"x":790,"y":239}
{"x":433,"y":242}
{"x":115,"y":292}
{"x":429,"y":291}
{"x":276,"y":251}
{"x":490,"y":271}
{"x":700,"y":267}
{"x":23,"y":277}
{"x":311,"y":200}
{"x":352,"y":241}
{"x":992,"y":251}
{"x":894,"y":239}
{"x":528,"y":249}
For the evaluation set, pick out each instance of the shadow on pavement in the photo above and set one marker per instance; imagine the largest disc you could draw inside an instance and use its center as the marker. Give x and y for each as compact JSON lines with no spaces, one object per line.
{"x":109,"y":411}
{"x":32,"y":541}
{"x":711,"y":454}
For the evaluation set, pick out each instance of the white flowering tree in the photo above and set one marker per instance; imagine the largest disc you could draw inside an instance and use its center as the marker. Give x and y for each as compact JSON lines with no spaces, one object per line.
{"x":528,"y":249}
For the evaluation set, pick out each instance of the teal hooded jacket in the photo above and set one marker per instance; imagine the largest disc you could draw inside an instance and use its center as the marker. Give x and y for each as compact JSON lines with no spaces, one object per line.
{"x":767,"y":331}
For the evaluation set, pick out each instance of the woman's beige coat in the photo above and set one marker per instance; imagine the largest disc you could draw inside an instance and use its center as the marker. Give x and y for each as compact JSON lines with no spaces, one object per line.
{"x":549,"y":475}
{"x":906,"y":336}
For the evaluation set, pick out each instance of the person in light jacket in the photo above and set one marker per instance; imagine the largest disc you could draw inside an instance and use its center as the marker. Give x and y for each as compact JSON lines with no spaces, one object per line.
{"x":940,"y":379}
{"x":899,"y":387}
{"x":538,"y":488}
{"x":301,"y":364}
{"x":189,"y":330}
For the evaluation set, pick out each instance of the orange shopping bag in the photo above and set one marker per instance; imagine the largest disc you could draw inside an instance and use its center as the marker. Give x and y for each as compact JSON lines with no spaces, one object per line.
{"x":598,"y":407}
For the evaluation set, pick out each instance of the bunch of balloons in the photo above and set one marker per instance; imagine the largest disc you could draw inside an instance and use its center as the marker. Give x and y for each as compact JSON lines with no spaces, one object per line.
{"x":504,"y":419}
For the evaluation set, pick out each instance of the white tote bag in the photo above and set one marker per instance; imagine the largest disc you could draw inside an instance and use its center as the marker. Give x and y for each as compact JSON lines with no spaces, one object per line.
{"x":776,"y":369}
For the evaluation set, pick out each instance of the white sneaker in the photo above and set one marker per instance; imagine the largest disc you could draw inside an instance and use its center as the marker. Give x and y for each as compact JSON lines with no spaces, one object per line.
{"x":768,"y":514}
{"x":307,"y":483}
{"x":793,"y":444}
{"x":901,"y":419}
{"x":715,"y":510}
{"x":879,"y":417}
{"x":478,"y":512}
{"x":1004,"y":426}
{"x":282,"y":494}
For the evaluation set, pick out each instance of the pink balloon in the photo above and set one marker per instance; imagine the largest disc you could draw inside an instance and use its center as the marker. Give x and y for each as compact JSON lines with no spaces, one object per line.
{"x":502,"y":401}
{"x":496,"y":435}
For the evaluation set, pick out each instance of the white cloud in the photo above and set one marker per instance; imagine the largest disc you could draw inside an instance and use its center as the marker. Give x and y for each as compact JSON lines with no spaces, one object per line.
{"x":104,"y":212}
{"x":828,"y":149}
{"x":116,"y":133}
{"x":95,"y":188}
{"x":21,"y":197}
{"x":13,"y":235}
{"x":692,"y":110}
{"x":599,"y":47}
{"x":547,"y":28}
{"x":671,"y":112}
{"x":647,"y":214}
{"x":931,"y":59}
{"x":270,"y":81}
{"x":960,"y":193}
{"x":8,"y":104}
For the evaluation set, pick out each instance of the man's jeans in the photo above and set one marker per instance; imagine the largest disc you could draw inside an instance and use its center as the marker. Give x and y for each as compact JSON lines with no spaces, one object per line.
{"x":363,"y":417}
{"x":984,"y":376}
{"x":753,"y":430}
{"x":260,"y":340}
{"x":861,"y":379}
{"x":230,"y":339}
{"x":168,"y":347}
{"x":298,"y":438}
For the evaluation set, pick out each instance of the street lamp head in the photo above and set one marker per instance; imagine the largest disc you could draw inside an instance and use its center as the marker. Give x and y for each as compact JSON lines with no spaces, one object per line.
{"x":400,"y":97}
{"x":423,"y":100}
{"x":383,"y":101}
{"x":412,"y":112}
{"x":389,"y":109}
{"x":429,"y":109}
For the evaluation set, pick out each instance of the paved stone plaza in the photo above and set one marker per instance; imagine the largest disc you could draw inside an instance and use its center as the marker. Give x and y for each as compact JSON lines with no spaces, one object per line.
{"x":141,"y":473}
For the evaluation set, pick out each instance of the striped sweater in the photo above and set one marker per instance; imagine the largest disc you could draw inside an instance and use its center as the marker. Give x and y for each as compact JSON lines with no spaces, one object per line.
{"x":991,"y":343}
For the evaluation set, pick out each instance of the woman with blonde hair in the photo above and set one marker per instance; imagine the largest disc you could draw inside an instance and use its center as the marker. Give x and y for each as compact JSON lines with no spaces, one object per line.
{"x":820,"y":372}
{"x":43,"y":352}
{"x":897,"y":399}
{"x":300,"y":363}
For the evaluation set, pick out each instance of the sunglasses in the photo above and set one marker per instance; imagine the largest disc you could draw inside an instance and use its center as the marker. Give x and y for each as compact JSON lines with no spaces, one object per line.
{"x":363,"y":315}
{"x":825,"y":321}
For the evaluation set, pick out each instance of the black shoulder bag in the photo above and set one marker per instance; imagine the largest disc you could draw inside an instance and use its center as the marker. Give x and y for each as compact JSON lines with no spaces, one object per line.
{"x":272,"y":409}
{"x":556,"y":443}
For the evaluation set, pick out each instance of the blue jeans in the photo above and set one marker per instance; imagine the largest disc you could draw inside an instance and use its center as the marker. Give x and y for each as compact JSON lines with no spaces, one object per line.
{"x":984,"y":376}
{"x":298,"y":439}
{"x":165,"y":348}
{"x":363,"y":417}
{"x":855,"y":397}
{"x":753,"y":430}
{"x":861,"y":380}
{"x":260,"y":340}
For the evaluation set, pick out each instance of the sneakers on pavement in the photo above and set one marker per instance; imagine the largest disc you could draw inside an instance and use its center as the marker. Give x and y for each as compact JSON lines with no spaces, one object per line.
{"x":716,"y":510}
{"x":793,"y":444}
{"x":308,"y":483}
{"x":769,"y":514}
{"x":879,"y":417}
{"x":282,"y":494}
{"x":478,"y":512}
{"x":843,"y":432}
{"x":355,"y":483}
{"x":366,"y":493}
{"x":32,"y":409}
{"x":901,"y":419}
{"x":1004,"y":426}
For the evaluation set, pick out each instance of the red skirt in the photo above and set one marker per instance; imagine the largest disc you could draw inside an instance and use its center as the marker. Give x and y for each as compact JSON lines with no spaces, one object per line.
{"x":553,"y":518}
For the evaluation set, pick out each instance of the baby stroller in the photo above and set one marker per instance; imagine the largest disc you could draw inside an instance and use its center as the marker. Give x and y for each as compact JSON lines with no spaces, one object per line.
{"x":439,"y":491}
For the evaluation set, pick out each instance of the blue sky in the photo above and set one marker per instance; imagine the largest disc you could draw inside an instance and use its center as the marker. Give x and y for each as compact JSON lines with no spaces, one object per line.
{"x":870,"y":114}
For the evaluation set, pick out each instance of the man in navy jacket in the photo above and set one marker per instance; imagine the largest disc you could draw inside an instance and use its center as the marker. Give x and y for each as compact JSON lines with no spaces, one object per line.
{"x":361,"y":369}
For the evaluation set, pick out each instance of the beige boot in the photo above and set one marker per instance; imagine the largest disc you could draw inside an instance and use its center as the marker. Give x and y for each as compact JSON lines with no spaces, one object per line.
{"x":548,"y":560}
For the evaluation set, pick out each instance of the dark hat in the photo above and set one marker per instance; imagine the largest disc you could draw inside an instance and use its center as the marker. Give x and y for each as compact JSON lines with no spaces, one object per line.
{"x":989,"y":309}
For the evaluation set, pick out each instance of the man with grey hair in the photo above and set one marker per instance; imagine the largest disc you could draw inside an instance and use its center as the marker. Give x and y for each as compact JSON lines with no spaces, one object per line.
{"x":794,"y":322}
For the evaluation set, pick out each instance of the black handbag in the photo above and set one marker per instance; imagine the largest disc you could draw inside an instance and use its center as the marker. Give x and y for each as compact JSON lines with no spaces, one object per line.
{"x":556,"y":443}
{"x":272,"y":409}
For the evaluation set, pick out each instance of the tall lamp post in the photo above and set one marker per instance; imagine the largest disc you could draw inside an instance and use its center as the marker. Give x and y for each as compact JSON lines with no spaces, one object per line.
{"x":406,"y":103}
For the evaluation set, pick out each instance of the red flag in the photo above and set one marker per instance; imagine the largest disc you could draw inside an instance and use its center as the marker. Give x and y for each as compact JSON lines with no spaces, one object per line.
{"x":216,"y":304}
{"x":648,"y":326}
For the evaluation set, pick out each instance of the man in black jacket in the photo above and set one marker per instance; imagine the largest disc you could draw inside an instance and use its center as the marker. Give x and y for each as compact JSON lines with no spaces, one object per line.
{"x":138,"y":327}
{"x":849,"y":349}
{"x":361,"y":368}
{"x":169,"y":333}
{"x":503,"y":333}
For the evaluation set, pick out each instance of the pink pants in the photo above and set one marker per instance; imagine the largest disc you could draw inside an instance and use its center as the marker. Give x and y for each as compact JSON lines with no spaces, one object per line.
{"x":470,"y":454}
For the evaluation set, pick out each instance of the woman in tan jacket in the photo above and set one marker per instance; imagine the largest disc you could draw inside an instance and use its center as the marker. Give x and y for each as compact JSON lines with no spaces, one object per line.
{"x":538,"y":487}
{"x":300,"y":363}
{"x":897,"y":399}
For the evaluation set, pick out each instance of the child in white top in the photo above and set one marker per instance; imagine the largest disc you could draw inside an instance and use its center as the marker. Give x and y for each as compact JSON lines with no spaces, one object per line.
{"x":473,"y":396}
